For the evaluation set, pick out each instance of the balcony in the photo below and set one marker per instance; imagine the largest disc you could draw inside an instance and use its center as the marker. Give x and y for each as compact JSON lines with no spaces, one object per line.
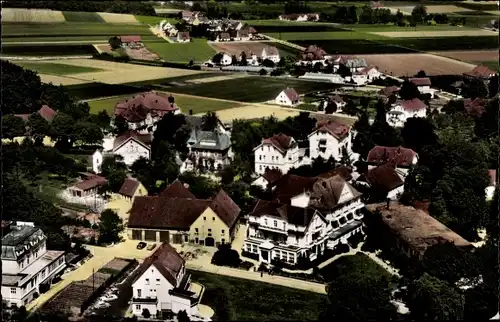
{"x":273,"y":229}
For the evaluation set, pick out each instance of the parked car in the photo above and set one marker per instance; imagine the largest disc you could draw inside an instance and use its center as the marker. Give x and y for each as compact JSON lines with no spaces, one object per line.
{"x":151,"y":246}
{"x":109,"y":297}
{"x":141,"y":245}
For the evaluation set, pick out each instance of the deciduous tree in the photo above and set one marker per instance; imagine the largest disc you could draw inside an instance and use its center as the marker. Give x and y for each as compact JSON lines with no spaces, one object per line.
{"x":110,"y":227}
{"x":12,"y":126}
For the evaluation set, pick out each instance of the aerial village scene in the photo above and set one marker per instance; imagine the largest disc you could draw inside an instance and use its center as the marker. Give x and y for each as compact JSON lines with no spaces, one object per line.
{"x":250,"y":160}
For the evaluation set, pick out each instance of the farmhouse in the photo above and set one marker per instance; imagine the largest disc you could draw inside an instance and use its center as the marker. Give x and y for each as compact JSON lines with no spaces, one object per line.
{"x":384,"y":182}
{"x":243,"y":34}
{"x":272,"y":53}
{"x":268,"y":180}
{"x":401,"y":158}
{"x":131,"y":41}
{"x":480,"y":72}
{"x":313,"y":54}
{"x":423,"y":84}
{"x":286,"y":233}
{"x":411,"y":230}
{"x":403,"y":110}
{"x":223,"y":36}
{"x":371,"y":72}
{"x":354,"y":64}
{"x":45,"y":112}
{"x":334,"y":197}
{"x":142,"y":111}
{"x":163,"y":286}
{"x":329,"y":140}
{"x":280,"y":152}
{"x":86,"y":188}
{"x":490,"y":190}
{"x":222,"y":59}
{"x":28,"y":268}
{"x":208,"y":150}
{"x":176,"y":216}
{"x":288,"y":97}
{"x":130,"y":189}
{"x":183,"y":36}
{"x":336,"y":101}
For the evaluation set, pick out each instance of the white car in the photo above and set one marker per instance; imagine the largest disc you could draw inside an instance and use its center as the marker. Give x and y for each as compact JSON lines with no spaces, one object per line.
{"x":109,"y":297}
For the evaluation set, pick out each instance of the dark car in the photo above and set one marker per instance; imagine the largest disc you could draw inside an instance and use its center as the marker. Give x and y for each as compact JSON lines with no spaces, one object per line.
{"x":141,"y":245}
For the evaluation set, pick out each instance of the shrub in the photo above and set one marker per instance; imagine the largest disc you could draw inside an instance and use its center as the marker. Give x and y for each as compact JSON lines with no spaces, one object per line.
{"x":250,"y":255}
{"x":341,"y":249}
{"x":226,"y":256}
{"x":263,"y":72}
{"x":262,"y":267}
{"x":355,"y":239}
{"x":246,"y":265}
{"x":146,"y":314}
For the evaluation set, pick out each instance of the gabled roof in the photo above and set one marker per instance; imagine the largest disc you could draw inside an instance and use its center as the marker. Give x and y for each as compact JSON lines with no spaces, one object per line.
{"x":413,"y":105}
{"x":142,"y":139}
{"x":177,"y":190}
{"x":271,"y":51}
{"x":365,"y":70}
{"x":389,"y":90}
{"x":225,"y":35}
{"x":336,"y":98}
{"x":421,"y":81}
{"x":166,"y":260}
{"x":493,"y":177}
{"x":129,"y":187}
{"x":291,"y":94}
{"x":383,"y":178}
{"x":243,"y":33}
{"x":355,"y":62}
{"x":227,"y":210}
{"x":45,"y":112}
{"x":272,"y":175}
{"x":137,"y":107}
{"x":341,"y":170}
{"x":291,"y":185}
{"x":280,"y":141}
{"x":127,"y":39}
{"x":397,"y":156}
{"x":313,"y":53}
{"x":481,"y":71}
{"x":91,"y":183}
{"x":326,"y":193}
{"x":292,"y":215}
{"x":209,"y":140}
{"x":338,"y":130}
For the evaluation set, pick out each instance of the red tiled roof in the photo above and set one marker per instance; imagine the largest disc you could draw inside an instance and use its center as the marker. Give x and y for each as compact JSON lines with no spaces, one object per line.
{"x":388,"y":91}
{"x":129,"y":187}
{"x":281,"y":142}
{"x":291,"y":185}
{"x":291,"y":94}
{"x":166,"y":260}
{"x":365,"y":70}
{"x":177,"y":190}
{"x":272,"y":175}
{"x":338,"y":130}
{"x":137,"y":108}
{"x":252,"y":30}
{"x":383,"y":178}
{"x":127,"y":39}
{"x":481,"y":71}
{"x":45,"y":112}
{"x":413,"y":105}
{"x":143,"y":139}
{"x":493,"y":177}
{"x":227,"y":210}
{"x":474,"y":107}
{"x":92,"y":182}
{"x":421,"y":81}
{"x":292,"y":215}
{"x":341,"y":170}
{"x":397,"y":156}
{"x":314,"y":53}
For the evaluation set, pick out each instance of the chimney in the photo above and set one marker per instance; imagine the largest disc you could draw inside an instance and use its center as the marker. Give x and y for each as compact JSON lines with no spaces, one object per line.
{"x":388,"y":203}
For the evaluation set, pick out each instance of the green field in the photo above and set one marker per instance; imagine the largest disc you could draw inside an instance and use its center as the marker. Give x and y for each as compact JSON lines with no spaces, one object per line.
{"x":359,"y":262}
{"x":235,"y":299}
{"x":186,"y":103}
{"x":76,"y":16}
{"x":251,"y":89}
{"x":197,"y":50}
{"x":494,"y":65}
{"x":56,"y":69}
{"x":153,"y":20}
{"x":71,"y":29}
{"x":324,"y":35}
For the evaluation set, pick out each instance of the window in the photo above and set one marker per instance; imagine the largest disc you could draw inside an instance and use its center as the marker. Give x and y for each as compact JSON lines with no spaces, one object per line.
{"x":349,"y":216}
{"x":209,"y":230}
{"x":157,"y":281}
{"x":196,"y":240}
{"x":196,"y":230}
{"x":13,"y":290}
{"x":335,"y":224}
{"x":138,"y":307}
{"x":342,"y":220}
{"x":222,"y":231}
{"x":265,"y":222}
{"x":284,"y":226}
{"x":275,"y":223}
{"x":223,"y":241}
{"x":139,"y":293}
{"x":186,"y":238}
{"x":147,"y":281}
{"x":204,"y":218}
{"x":260,"y":167}
{"x":213,"y":218}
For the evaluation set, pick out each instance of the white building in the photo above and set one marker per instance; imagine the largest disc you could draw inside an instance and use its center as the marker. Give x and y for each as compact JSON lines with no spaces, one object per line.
{"x":27,"y":266}
{"x":163,"y":285}
{"x":208,"y":151}
{"x":287,"y":97}
{"x":271,"y":53}
{"x":267,"y":180}
{"x":423,"y":84}
{"x":403,"y":110}
{"x":225,"y":60}
{"x":279,"y":152}
{"x":320,"y":77}
{"x":371,"y":72}
{"x":336,"y":100}
{"x":283,"y":232}
{"x":329,"y":139}
{"x":357,"y":78}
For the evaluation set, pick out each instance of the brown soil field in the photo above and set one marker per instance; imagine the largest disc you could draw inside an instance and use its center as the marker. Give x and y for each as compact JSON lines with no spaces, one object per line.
{"x":436,"y":33}
{"x":253,"y":112}
{"x":141,"y":54}
{"x":118,"y":18}
{"x":237,"y":48}
{"x":470,"y":55}
{"x":411,"y":64}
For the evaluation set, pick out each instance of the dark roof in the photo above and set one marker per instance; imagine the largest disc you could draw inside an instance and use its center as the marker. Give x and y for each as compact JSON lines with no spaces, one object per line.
{"x":397,"y":156}
{"x":271,"y":50}
{"x":137,"y":108}
{"x":292,"y":215}
{"x":474,"y":106}
{"x":313,"y":53}
{"x":291,"y":185}
{"x":243,"y":32}
{"x":389,"y":90}
{"x":127,"y":39}
{"x":92,"y":182}
{"x":209,"y":140}
{"x":18,"y":235}
{"x":280,"y":141}
{"x":227,"y":210}
{"x":177,"y":190}
{"x":421,"y":81}
{"x":129,"y":187}
{"x":166,"y":260}
{"x":272,"y":175}
{"x":291,"y":94}
{"x":341,"y":170}
{"x":225,"y":35}
{"x":143,"y":139}
{"x":383,"y":178}
{"x":338,"y":130}
{"x":413,"y":105}
{"x":326,"y":192}
{"x":336,"y":98}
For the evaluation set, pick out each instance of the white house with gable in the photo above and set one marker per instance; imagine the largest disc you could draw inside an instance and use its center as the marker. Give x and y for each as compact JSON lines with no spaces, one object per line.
{"x":423,"y":84}
{"x":329,"y":139}
{"x":279,"y":152}
{"x":403,"y":110}
{"x":287,"y":97}
{"x":271,"y":53}
{"x":163,"y":285}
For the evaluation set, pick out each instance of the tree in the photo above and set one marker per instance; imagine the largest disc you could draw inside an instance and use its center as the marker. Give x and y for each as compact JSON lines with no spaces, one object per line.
{"x":173,"y":129}
{"x":363,"y":141}
{"x":481,"y":303}
{"x":146,"y":314}
{"x":103,"y":119}
{"x":234,"y":60}
{"x":317,"y":67}
{"x":115,"y":171}
{"x":12,"y":126}
{"x":408,"y":91}
{"x":344,"y":71}
{"x":210,"y":121}
{"x":268,"y":63}
{"x":475,"y":88}
{"x":64,"y":130}
{"x":225,"y":256}
{"x":21,"y":89}
{"x":90,"y":133}
{"x":38,"y":127}
{"x":120,"y":125}
{"x":421,"y":74}
{"x":346,"y":158}
{"x":110,"y":227}
{"x":243,"y":61}
{"x":262,"y":72}
{"x":429,"y":298}
{"x":417,"y":133}
{"x":182,"y":316}
{"x":419,"y":12}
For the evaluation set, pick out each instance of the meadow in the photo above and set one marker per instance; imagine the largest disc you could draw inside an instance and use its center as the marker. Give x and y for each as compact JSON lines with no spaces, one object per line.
{"x":57,"y":69}
{"x":251,"y":89}
{"x":197,"y":50}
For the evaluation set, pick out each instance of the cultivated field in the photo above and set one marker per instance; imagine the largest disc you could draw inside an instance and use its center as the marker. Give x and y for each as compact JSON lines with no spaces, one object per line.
{"x":249,"y":112}
{"x":411,"y":64}
{"x":141,"y":54}
{"x":433,"y":34}
{"x":237,"y":48}
{"x":118,"y":18}
{"x":471,"y":55}
{"x":215,"y":78}
{"x":119,"y":73}
{"x":430,"y":9}
{"x":31,"y":15}
{"x":61,"y":80}
{"x":197,"y":51}
{"x":57,"y":69}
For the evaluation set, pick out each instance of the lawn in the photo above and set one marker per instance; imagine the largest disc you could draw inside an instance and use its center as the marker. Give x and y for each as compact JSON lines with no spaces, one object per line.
{"x":359,"y":262}
{"x":235,"y":299}
{"x":29,"y":30}
{"x":57,"y":69}
{"x":251,"y":89}
{"x":494,"y":65}
{"x":186,"y":103}
{"x":197,"y":50}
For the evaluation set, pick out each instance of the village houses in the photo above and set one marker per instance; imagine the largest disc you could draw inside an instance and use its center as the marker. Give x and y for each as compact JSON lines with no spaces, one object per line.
{"x":402,"y":159}
{"x":384,"y":181}
{"x":403,"y":110}
{"x":177,"y":216}
{"x":280,"y":152}
{"x":287,"y":97}
{"x":423,"y":84}
{"x":163,"y":286}
{"x":329,"y":140}
{"x":28,"y":268}
{"x":300,"y":17}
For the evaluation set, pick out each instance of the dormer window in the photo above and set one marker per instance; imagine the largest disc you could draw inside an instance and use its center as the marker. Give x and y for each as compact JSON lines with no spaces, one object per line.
{"x":265,"y":222}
